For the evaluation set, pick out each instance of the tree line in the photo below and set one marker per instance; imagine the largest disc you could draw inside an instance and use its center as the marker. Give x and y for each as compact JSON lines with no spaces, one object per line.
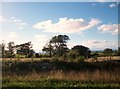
{"x":55,"y":48}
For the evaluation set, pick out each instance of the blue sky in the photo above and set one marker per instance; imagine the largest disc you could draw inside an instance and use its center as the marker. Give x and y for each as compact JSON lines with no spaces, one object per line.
{"x":92,"y":24}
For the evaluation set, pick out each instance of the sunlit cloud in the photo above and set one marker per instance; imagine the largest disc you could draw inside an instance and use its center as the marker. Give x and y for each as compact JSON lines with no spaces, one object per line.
{"x":112,"y":5}
{"x":96,"y":44}
{"x":19,"y":23}
{"x":100,"y":44}
{"x":65,"y":25}
{"x":109,"y":28}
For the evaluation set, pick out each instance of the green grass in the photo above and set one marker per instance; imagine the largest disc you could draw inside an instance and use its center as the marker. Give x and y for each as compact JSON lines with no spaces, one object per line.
{"x":59,"y":83}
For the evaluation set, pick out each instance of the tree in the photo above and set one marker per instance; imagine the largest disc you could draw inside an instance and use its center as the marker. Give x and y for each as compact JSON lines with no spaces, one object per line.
{"x":94,"y":56}
{"x":37,"y":55}
{"x":57,"y":46}
{"x":2,"y":49}
{"x":11,"y":48}
{"x":72,"y":54}
{"x":24,"y":49}
{"x":108,"y":52}
{"x":48,"y":49}
{"x":30,"y":54}
{"x":82,"y":50}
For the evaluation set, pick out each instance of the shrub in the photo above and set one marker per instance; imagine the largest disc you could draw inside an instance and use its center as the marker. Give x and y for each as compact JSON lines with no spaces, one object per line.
{"x":37,"y":55}
{"x":30,"y":55}
{"x":80,"y":59}
{"x":45,"y":55}
{"x":55,"y":58}
{"x":20,"y":56}
{"x":73,"y":54}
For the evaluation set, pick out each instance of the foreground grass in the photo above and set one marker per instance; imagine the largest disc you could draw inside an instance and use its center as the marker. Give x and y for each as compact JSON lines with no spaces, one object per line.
{"x":60,"y":83}
{"x":50,"y":73}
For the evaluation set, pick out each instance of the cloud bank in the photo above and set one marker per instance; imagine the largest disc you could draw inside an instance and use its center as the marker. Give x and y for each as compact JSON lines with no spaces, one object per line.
{"x":100,"y":44}
{"x":65,"y":25}
{"x":94,"y":44}
{"x":109,"y":28}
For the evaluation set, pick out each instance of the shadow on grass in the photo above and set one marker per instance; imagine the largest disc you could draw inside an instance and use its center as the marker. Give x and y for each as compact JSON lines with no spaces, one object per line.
{"x":48,"y":65}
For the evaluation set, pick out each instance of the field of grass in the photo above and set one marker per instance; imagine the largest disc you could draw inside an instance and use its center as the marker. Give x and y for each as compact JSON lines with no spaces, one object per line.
{"x":56,"y":74}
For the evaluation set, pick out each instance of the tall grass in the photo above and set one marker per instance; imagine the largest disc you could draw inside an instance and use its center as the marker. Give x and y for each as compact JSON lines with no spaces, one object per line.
{"x":98,"y":76}
{"x":26,"y":73}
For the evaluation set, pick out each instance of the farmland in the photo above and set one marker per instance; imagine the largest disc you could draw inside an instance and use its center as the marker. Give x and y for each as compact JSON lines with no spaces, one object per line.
{"x":38,"y":72}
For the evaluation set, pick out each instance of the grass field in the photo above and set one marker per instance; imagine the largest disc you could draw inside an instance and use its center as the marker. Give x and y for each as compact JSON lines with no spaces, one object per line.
{"x":58,"y":74}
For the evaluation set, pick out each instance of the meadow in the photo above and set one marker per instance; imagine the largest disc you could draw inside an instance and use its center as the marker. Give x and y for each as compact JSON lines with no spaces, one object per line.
{"x":37,"y":72}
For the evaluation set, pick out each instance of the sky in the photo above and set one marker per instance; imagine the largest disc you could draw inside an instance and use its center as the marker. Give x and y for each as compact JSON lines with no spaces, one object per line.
{"x":60,"y":0}
{"x":91,"y":24}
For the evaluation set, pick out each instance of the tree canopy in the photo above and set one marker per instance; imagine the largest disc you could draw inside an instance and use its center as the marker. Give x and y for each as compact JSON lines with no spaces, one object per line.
{"x":82,"y":50}
{"x":57,"y":45}
{"x":108,"y":51}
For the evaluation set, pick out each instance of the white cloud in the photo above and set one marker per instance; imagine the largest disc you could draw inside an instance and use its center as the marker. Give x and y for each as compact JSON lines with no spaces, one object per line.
{"x":109,"y":28}
{"x":100,"y":44}
{"x":19,"y":23}
{"x":112,"y":5}
{"x":96,"y":44}
{"x":2,"y":19}
{"x":65,"y":25}
{"x":20,"y":27}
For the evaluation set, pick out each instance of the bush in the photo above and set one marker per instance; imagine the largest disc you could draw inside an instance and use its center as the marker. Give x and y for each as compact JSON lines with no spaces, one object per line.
{"x":45,"y":55}
{"x":20,"y":56}
{"x":80,"y":59}
{"x":30,"y":55}
{"x":55,"y":58}
{"x":9,"y":56}
{"x":72,"y":55}
{"x":37,"y":55}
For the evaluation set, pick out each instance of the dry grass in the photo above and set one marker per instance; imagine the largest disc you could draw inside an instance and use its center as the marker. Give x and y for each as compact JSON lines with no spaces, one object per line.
{"x":88,"y":60}
{"x":103,"y":58}
{"x":101,"y":76}
{"x":87,"y":75}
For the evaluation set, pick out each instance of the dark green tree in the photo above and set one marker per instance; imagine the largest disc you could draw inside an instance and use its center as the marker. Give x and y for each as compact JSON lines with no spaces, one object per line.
{"x":57,"y":45}
{"x":73,"y":54}
{"x":37,"y":55}
{"x":24,"y":49}
{"x":108,"y":52}
{"x":2,"y":49}
{"x":48,"y":49}
{"x":82,"y":50}
{"x":10,"y":49}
